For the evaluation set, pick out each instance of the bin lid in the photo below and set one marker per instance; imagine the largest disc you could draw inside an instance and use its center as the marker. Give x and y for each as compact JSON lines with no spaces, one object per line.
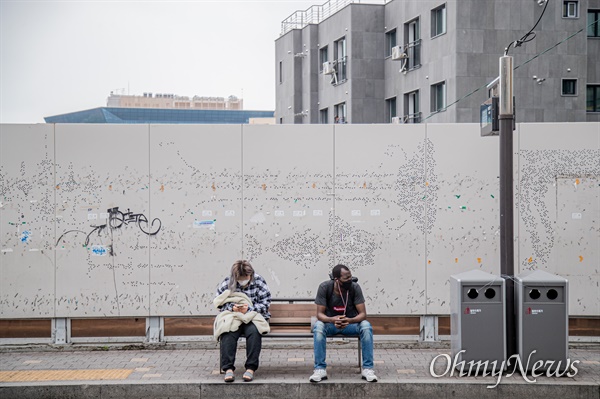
{"x":477,"y":276}
{"x":540,"y":276}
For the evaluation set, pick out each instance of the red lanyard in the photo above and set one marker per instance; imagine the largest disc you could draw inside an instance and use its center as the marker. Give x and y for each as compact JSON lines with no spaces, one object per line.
{"x":345,"y":303}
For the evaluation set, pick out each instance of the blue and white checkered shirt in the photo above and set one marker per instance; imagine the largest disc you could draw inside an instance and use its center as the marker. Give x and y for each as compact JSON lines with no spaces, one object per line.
{"x":258,"y":292}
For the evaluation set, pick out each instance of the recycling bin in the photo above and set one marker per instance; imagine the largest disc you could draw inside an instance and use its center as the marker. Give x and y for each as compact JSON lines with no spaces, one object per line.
{"x":477,"y":317}
{"x":542,"y":312}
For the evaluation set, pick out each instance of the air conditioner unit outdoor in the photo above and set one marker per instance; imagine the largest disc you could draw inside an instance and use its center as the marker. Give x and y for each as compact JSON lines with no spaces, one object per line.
{"x":398,"y":54}
{"x":396,"y":120}
{"x":328,"y":68}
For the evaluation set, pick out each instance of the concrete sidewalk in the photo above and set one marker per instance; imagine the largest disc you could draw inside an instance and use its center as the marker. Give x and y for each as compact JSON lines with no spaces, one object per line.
{"x":191,"y":371}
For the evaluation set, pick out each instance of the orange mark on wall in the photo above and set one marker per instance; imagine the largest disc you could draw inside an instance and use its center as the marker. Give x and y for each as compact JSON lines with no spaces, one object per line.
{"x":580,"y":258}
{"x":264,"y":186}
{"x":214,"y":188}
{"x":57,"y":187}
{"x":427,"y":183}
{"x":365,"y":185}
{"x":314,"y":185}
{"x":110,"y":187}
{"x":576,"y":181}
{"x":530,"y":260}
{"x":162,"y":188}
{"x":429,"y":262}
{"x":478,"y":260}
{"x":455,"y":260}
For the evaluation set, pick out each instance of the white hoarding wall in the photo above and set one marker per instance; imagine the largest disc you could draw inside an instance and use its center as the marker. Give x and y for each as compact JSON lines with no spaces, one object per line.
{"x":146,"y":220}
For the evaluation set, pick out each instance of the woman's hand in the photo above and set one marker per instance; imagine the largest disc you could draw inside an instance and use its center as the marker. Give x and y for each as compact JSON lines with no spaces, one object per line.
{"x":243,"y":308}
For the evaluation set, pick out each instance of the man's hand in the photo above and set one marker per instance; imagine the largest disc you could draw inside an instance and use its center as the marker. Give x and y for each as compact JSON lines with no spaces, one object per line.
{"x":241,"y":308}
{"x":340,"y":322}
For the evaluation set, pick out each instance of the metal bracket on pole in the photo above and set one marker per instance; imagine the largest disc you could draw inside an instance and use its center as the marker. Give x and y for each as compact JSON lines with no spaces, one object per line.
{"x":429,"y":328}
{"x":61,"y":331}
{"x":154,"y":329}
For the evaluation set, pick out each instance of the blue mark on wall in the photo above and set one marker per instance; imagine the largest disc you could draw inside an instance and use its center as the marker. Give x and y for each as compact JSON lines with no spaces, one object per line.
{"x":99,"y":250}
{"x":204,"y":224}
{"x":25,"y":236}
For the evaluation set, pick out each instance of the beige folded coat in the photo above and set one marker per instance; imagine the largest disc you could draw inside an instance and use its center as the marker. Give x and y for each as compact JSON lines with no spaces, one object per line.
{"x":228,"y":321}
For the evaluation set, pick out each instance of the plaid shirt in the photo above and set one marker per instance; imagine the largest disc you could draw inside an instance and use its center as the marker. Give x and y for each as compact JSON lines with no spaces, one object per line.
{"x":258,"y":292}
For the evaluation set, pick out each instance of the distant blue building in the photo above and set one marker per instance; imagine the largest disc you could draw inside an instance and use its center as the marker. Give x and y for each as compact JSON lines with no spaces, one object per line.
{"x":154,"y":115}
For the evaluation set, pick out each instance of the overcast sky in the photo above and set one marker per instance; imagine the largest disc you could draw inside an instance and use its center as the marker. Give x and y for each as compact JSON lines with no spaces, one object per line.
{"x":66,"y":56}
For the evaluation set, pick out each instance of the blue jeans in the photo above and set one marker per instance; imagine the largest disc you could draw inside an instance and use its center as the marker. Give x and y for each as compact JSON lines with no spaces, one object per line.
{"x":323,"y":330}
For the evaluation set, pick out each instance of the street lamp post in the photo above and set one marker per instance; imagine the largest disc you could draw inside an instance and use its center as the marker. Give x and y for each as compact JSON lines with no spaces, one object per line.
{"x":506,"y":118}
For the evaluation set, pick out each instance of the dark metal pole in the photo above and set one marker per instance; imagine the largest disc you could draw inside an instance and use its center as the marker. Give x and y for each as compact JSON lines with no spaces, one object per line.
{"x":506,"y":197}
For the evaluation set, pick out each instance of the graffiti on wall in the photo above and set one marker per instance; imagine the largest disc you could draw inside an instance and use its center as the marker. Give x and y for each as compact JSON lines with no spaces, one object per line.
{"x":116,"y":220}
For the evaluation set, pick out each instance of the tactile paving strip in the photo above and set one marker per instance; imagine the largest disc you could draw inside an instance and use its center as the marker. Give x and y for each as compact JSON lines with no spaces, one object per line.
{"x":64,"y":375}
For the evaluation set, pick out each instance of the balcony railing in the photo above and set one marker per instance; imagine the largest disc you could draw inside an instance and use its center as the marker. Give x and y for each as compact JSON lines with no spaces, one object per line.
{"x":316,"y":14}
{"x":341,"y":70}
{"x":412,"y":118}
{"x":413,"y":50}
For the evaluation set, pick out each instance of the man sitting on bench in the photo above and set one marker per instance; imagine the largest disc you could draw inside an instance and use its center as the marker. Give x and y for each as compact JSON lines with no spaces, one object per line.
{"x":341,"y":310}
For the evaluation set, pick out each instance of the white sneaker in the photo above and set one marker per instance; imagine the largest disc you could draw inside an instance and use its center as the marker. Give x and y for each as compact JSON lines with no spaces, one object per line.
{"x":369,"y":375}
{"x":318,"y":375}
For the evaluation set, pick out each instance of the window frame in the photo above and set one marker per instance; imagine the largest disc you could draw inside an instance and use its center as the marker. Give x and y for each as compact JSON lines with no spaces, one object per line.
{"x":388,"y":43}
{"x":595,"y":96}
{"x":336,"y":110}
{"x":391,"y":108}
{"x":413,"y":48}
{"x":562,"y":88}
{"x":566,"y":12}
{"x":280,"y":72}
{"x":434,"y":19}
{"x":324,"y":112}
{"x":434,"y":106}
{"x":596,"y":26}
{"x":341,"y":61}
{"x":323,"y":50}
{"x":415,"y":94}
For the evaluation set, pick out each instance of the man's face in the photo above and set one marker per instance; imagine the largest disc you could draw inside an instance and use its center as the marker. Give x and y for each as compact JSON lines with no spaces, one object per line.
{"x":345,"y":276}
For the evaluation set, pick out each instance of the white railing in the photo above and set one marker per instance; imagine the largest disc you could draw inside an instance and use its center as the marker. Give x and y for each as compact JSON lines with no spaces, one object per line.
{"x":316,"y":13}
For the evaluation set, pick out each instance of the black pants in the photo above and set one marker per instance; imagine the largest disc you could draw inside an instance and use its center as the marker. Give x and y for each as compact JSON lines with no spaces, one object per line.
{"x":229,"y":342}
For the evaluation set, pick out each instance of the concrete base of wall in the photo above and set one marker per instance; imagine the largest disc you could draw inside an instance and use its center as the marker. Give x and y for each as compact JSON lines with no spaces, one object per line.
{"x":409,"y":390}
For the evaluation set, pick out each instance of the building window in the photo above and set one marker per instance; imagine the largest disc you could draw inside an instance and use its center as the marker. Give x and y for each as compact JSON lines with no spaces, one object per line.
{"x":593,"y":29}
{"x":390,"y":109}
{"x":340,"y":113}
{"x":339,"y":53}
{"x":593,"y":98}
{"x":570,"y":9}
{"x":280,"y":71}
{"x":390,"y":41}
{"x":438,"y":97}
{"x":438,"y":21}
{"x":323,"y":57}
{"x":569,"y":87}
{"x":412,"y":43}
{"x":324,"y":116}
{"x":412,"y":112}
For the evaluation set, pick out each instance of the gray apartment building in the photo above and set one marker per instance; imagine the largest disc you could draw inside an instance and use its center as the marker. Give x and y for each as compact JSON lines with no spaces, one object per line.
{"x":408,"y":61}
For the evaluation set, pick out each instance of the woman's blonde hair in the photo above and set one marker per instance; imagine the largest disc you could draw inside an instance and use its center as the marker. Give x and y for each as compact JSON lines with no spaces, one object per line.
{"x":240,"y":268}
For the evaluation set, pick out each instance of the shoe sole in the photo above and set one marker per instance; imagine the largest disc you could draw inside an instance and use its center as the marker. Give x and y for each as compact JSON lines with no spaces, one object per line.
{"x":322,"y":379}
{"x":373,"y":380}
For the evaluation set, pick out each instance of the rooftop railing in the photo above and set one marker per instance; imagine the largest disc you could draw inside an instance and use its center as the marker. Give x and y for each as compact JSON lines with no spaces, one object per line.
{"x":315,"y":14}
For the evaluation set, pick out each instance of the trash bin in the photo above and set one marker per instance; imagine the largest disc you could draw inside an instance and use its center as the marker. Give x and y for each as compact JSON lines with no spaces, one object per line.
{"x":477,"y":317}
{"x":541,"y":301}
